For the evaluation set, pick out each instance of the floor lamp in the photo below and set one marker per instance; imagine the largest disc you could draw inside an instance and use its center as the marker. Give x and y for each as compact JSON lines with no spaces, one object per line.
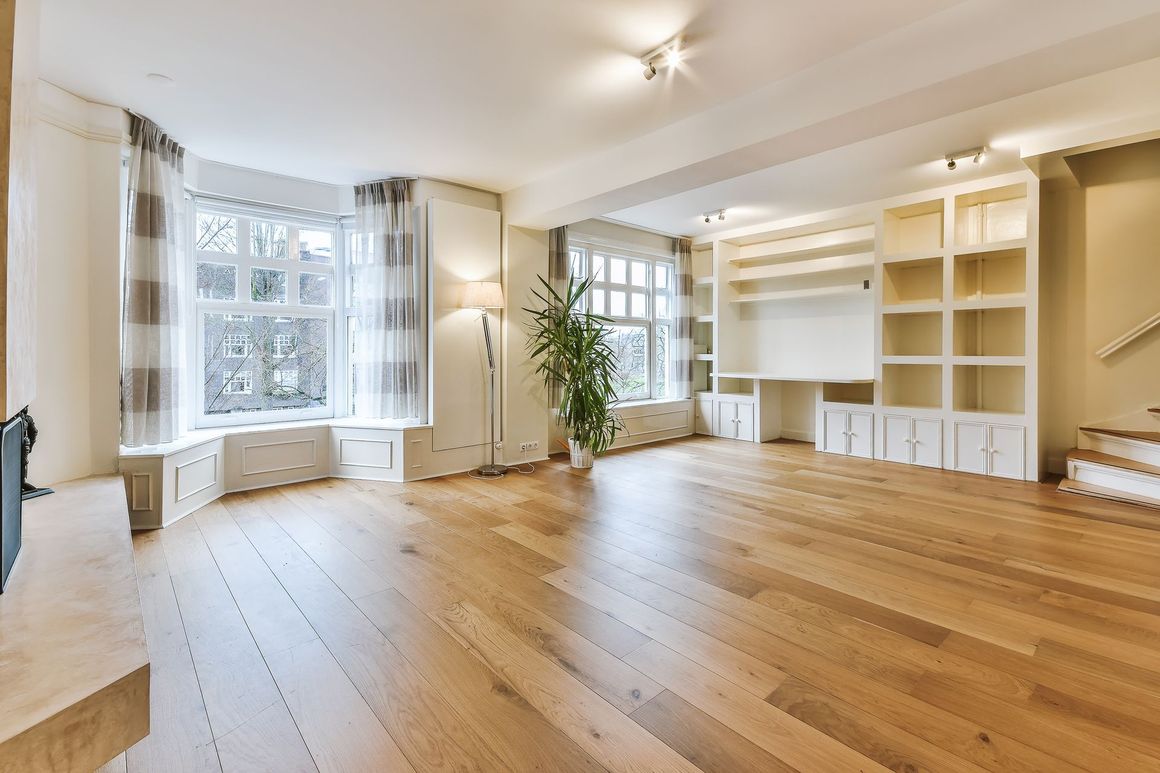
{"x":484,"y":296}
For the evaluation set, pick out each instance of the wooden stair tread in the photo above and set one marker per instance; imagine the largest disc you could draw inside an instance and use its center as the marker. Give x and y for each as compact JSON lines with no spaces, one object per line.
{"x":1069,"y":486}
{"x":1111,"y":460}
{"x":1132,"y":434}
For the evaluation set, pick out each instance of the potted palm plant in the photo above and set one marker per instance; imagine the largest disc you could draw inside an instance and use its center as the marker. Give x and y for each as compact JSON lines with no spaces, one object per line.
{"x":573,"y":357}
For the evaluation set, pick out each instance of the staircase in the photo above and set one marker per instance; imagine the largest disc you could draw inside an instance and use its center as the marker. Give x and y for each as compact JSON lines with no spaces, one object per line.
{"x":1122,"y":465}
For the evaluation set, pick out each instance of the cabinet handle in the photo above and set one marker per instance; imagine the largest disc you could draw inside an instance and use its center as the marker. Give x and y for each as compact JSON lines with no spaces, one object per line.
{"x":906,"y":440}
{"x":983,"y":450}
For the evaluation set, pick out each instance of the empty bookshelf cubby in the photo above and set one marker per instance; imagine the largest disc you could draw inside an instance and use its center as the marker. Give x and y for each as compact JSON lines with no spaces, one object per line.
{"x":913,"y":228}
{"x":989,"y":388}
{"x":990,"y":332}
{"x":912,"y":334}
{"x":912,"y":386}
{"x":702,"y":300}
{"x":837,"y":392}
{"x":912,"y":281}
{"x":994,"y":275}
{"x":995,"y":215}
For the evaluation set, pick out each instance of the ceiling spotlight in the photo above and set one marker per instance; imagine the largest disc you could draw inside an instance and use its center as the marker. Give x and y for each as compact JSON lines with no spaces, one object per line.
{"x":720,"y":213}
{"x":667,"y":54}
{"x":975,"y":154}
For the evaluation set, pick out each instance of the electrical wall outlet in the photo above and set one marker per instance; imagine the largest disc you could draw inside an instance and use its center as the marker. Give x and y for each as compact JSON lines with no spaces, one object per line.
{"x":531,"y":445}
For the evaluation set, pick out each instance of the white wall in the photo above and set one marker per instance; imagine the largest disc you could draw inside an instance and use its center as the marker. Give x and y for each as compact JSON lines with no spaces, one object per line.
{"x":78,"y":293}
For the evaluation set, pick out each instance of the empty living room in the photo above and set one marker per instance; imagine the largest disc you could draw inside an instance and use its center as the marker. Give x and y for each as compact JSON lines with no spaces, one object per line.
{"x":579,"y":385}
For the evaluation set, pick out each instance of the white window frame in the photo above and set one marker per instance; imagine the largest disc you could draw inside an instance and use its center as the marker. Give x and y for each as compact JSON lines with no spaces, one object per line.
{"x":246,"y":377}
{"x":243,"y":308}
{"x":590,"y":247}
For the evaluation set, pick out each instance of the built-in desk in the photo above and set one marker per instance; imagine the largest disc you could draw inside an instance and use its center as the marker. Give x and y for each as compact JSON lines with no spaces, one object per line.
{"x":74,"y":668}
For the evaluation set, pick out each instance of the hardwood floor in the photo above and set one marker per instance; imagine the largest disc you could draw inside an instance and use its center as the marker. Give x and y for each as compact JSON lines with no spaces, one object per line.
{"x":698,"y":604}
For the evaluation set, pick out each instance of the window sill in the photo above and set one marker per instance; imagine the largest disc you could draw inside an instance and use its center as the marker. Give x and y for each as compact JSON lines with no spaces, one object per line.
{"x":652,"y":401}
{"x":196,"y":437}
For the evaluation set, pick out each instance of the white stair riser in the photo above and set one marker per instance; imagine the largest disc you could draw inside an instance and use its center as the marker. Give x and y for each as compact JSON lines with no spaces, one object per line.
{"x":1136,"y":450}
{"x":1127,"y":481}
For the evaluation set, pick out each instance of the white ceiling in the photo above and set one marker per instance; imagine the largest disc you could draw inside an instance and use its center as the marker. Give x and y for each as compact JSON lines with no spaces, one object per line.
{"x":909,"y":159}
{"x":493,"y":94}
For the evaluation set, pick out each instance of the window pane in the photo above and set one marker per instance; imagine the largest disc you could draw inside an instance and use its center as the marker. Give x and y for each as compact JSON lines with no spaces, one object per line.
{"x":315,"y":246}
{"x":217,"y":281}
{"x":616,"y":309}
{"x":639,"y":307}
{"x":263,"y":363}
{"x":618,"y":269}
{"x":662,"y":272}
{"x":576,"y":263}
{"x":598,"y":302}
{"x":639,"y":273}
{"x":663,"y":361}
{"x":630,"y":347}
{"x":267,"y":285}
{"x":217,"y":233}
{"x":314,"y":289}
{"x":268,"y":241}
{"x":598,"y":268}
{"x":663,"y":307}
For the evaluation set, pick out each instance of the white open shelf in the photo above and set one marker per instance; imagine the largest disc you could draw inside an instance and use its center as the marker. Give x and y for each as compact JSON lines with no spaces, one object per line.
{"x":992,"y":216}
{"x":990,"y":275}
{"x":914,"y":228}
{"x":912,"y":333}
{"x":912,"y":386}
{"x":806,"y":292}
{"x":844,"y":392}
{"x":989,"y":389}
{"x":994,"y":332}
{"x":912,"y":281}
{"x":808,"y":267}
{"x":851,"y":240}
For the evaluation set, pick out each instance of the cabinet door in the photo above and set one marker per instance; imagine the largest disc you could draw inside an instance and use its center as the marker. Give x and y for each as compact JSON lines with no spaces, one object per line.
{"x":1005,"y":451}
{"x":835,"y":422}
{"x":970,"y":447}
{"x":726,"y":419}
{"x":896,"y":439}
{"x":745,"y":421}
{"x":926,"y":442}
{"x":703,"y":419}
{"x":861,"y":434}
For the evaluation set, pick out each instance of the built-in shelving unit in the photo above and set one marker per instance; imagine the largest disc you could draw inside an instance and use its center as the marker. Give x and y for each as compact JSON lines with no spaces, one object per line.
{"x":916,"y":317}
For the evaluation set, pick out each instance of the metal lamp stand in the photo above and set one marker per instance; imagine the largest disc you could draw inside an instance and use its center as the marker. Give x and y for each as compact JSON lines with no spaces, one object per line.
{"x":492,"y":470}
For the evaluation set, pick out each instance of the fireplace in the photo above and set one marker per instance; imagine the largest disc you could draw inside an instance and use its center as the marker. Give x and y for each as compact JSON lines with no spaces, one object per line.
{"x":11,"y":454}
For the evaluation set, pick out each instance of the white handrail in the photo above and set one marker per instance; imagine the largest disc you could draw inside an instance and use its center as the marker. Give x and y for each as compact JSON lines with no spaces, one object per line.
{"x":1130,"y":336}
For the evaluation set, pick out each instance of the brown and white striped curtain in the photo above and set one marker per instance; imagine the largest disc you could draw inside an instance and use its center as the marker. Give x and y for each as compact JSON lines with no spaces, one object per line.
{"x":682,"y":361}
{"x":151,"y":324}
{"x":559,"y":271}
{"x":386,"y":345}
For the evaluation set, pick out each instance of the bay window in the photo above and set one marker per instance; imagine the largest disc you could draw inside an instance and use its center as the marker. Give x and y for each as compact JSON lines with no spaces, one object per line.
{"x":635,"y":291}
{"x":264,"y":313}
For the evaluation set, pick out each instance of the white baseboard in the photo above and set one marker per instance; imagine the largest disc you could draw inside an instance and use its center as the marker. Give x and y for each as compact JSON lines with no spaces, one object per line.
{"x":796,"y":434}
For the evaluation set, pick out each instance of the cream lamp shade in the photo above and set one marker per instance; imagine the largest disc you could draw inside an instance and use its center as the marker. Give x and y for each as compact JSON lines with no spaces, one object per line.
{"x":483,"y":295}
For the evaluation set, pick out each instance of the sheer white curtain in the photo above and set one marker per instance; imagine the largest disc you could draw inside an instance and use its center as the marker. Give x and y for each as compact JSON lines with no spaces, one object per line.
{"x":386,"y":344}
{"x":151,"y":324}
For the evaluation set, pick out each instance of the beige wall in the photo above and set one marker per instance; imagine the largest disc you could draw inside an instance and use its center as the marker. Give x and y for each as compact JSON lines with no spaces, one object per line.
{"x":78,"y":166}
{"x":1101,"y":276}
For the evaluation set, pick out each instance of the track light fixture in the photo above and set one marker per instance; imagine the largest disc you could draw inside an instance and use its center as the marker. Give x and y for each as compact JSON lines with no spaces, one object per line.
{"x":668,"y":54}
{"x":975,"y":154}
{"x":720,"y":213}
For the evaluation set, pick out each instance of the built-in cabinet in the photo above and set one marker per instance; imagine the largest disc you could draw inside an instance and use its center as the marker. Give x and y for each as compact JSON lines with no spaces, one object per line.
{"x":989,"y":449}
{"x":735,"y":420}
{"x":912,"y":440}
{"x":850,"y":433}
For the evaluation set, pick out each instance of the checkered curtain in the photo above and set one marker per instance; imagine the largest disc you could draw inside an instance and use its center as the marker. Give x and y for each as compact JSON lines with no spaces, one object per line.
{"x":386,"y":345}
{"x":151,"y":335}
{"x":682,"y":362}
